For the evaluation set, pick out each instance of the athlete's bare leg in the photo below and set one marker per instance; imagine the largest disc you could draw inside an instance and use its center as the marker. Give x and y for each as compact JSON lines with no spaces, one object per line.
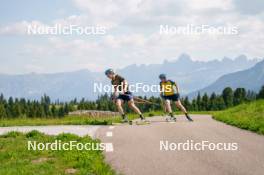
{"x":119,"y":103}
{"x":132,"y":106}
{"x":168,"y":106}
{"x":169,"y":110}
{"x":180,"y":106}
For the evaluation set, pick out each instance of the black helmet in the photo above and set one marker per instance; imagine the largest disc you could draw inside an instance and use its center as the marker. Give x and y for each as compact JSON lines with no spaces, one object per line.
{"x":162,"y":76}
{"x":109,"y":71}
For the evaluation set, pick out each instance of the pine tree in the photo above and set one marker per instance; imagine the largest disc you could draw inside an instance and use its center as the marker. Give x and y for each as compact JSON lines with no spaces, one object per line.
{"x":54,"y":111}
{"x":187,"y":104}
{"x":16,"y":110}
{"x":251,"y":95}
{"x":220,"y":103}
{"x":194,"y":105}
{"x":23,"y":106}
{"x":228,"y":96}
{"x":66,"y":109}
{"x":10,"y":107}
{"x":198,"y":101}
{"x":61,"y":111}
{"x":261,"y":93}
{"x":213,"y":102}
{"x":39,"y":110}
{"x":239,"y":96}
{"x":205,"y":102}
{"x":81,"y":105}
{"x":2,"y":98}
{"x":3,"y":113}
{"x":45,"y":102}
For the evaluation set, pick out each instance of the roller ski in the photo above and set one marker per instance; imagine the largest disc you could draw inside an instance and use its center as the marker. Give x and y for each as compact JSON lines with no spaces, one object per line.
{"x":142,"y":121}
{"x":125,"y":120}
{"x":172,"y":118}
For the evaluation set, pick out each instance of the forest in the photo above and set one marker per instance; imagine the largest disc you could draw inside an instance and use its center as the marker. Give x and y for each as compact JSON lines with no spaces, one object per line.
{"x":45,"y":108}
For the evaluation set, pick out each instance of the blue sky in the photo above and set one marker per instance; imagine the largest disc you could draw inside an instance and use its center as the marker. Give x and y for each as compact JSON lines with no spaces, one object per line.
{"x":132,"y":33}
{"x":43,"y":10}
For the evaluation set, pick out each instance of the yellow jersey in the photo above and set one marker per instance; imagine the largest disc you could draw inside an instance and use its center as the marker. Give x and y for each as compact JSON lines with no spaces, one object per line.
{"x":167,"y":87}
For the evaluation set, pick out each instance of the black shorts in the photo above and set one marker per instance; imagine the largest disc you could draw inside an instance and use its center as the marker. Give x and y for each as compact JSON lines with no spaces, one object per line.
{"x":174,"y":97}
{"x":125,"y":97}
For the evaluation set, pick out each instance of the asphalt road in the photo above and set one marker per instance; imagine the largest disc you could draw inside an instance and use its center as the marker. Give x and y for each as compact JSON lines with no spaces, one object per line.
{"x":137,"y":151}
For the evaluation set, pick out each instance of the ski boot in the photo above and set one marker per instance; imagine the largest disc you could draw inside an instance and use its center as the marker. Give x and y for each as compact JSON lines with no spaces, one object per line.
{"x":188,"y":117}
{"x":124,"y":119}
{"x":171,"y":118}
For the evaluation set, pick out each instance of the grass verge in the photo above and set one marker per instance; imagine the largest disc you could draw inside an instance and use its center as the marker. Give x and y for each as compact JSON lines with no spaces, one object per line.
{"x":68,"y":120}
{"x":249,"y":116}
{"x":79,"y":120}
{"x":15,"y":158}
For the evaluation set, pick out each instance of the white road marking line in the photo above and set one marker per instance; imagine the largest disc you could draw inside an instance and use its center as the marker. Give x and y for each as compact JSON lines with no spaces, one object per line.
{"x":109,"y":147}
{"x":111,"y":127}
{"x":109,"y":134}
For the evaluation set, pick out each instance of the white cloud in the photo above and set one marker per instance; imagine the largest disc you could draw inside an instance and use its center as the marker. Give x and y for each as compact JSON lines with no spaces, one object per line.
{"x":133,"y":33}
{"x":251,"y":7}
{"x":131,"y":40}
{"x":207,"y":4}
{"x":18,"y":28}
{"x":34,"y":68}
{"x":107,"y":8}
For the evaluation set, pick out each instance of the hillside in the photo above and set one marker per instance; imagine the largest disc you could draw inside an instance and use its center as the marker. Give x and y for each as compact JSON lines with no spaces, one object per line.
{"x":63,"y":86}
{"x":251,"y":79}
{"x":248,"y":116}
{"x":189,"y":74}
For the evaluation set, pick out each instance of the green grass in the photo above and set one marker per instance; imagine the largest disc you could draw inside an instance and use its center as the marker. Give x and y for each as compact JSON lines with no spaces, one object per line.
{"x":67,"y":120}
{"x":70,"y":120}
{"x":15,"y":158}
{"x":78,"y":120}
{"x":249,"y":116}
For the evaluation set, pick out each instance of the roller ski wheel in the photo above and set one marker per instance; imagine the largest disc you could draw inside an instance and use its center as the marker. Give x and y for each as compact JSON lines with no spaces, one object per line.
{"x":171,"y":119}
{"x":142,"y":122}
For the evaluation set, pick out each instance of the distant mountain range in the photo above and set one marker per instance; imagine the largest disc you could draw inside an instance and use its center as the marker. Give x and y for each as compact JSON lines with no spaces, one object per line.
{"x":251,"y":79}
{"x":190,"y":75}
{"x":64,"y":86}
